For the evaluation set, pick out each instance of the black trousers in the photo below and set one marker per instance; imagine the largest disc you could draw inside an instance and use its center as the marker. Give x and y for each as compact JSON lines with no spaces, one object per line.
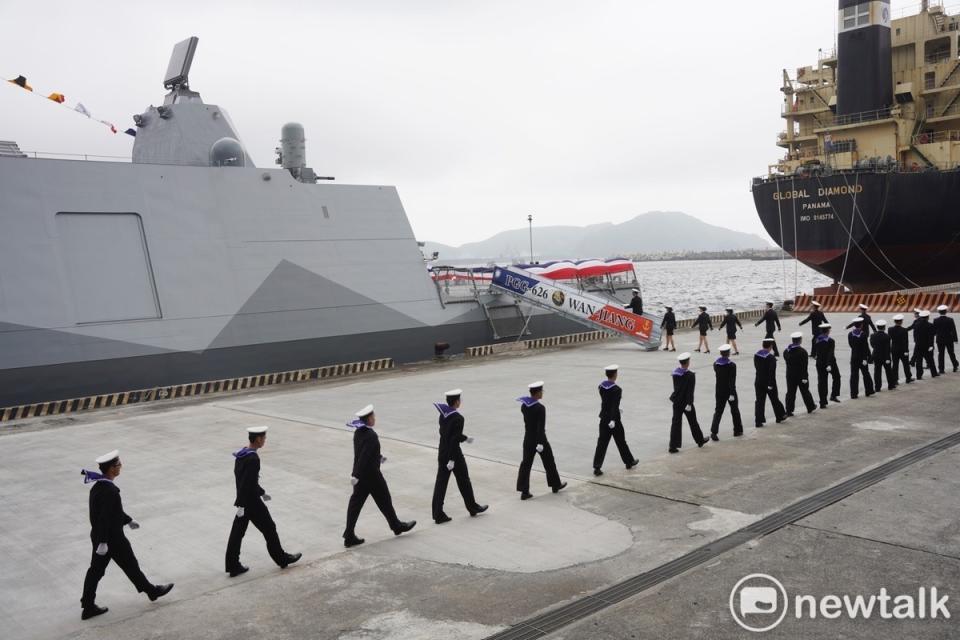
{"x":795,"y":384}
{"x":120,"y":552}
{"x":463,"y":483}
{"x":676,"y":426}
{"x":603,"y":441}
{"x":881,"y":367}
{"x":901,"y":359}
{"x":722,"y":401}
{"x":922,"y":357}
{"x":760,"y":411}
{"x":776,"y":351}
{"x":823,"y":374}
{"x":944,"y":348}
{"x":259,"y":515}
{"x":375,"y":486}
{"x":859,"y":368}
{"x":549,"y":465}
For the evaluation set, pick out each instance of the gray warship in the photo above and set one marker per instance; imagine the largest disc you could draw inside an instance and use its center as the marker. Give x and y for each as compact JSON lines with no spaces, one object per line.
{"x":189,"y":263}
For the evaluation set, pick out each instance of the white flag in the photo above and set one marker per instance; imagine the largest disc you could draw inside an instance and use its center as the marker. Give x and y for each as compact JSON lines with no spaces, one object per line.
{"x":81,"y":109}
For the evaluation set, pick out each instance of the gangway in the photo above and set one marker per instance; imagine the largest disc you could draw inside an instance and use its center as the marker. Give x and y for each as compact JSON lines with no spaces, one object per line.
{"x":571,"y":303}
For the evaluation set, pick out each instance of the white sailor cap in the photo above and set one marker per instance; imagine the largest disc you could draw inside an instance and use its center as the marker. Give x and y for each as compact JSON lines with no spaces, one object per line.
{"x":453,"y":392}
{"x":767,"y":341}
{"x":924,"y":314}
{"x":796,"y":334}
{"x":363,"y":413}
{"x":863,"y":306}
{"x":898,"y":317}
{"x":683,"y":356}
{"x":815,"y":303}
{"x":825,"y":326}
{"x":666,"y":306}
{"x":535,"y":385}
{"x":611,"y":367}
{"x":770,"y":302}
{"x":857,"y":320}
{"x":729,"y":308}
{"x":257,"y":430}
{"x":881,"y":323}
{"x":107,"y":457}
{"x":917,"y":311}
{"x":636,"y":290}
{"x":724,"y":348}
{"x":943,"y":308}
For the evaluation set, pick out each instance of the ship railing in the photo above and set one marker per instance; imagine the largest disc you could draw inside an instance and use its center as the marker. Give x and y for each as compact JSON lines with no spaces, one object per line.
{"x":952,"y":135}
{"x":953,"y":110}
{"x":54,"y":155}
{"x":914,"y":9}
{"x":937,"y":58}
{"x":863,"y":116}
{"x":827,"y":171}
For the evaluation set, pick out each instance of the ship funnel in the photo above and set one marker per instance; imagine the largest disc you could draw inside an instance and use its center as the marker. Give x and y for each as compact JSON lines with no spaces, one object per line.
{"x":864,"y":62}
{"x":293,"y":146}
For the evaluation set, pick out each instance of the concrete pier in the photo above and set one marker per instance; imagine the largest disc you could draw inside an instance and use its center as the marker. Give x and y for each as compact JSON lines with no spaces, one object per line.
{"x":476,"y":577}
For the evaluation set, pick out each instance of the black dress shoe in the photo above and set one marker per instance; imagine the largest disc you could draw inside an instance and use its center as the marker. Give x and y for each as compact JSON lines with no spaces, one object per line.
{"x":597,"y":472}
{"x":703,"y":442}
{"x":672,"y":450}
{"x":737,"y":434}
{"x":404,"y":527}
{"x":237,"y":570}
{"x":715,"y":437}
{"x":835,"y":399}
{"x":442,"y":518}
{"x":480,"y":508}
{"x":789,"y":415}
{"x":352,"y":540}
{"x":526,"y":495}
{"x":289,"y":559}
{"x":159,"y":590}
{"x":760,"y":426}
{"x":557,"y":489}
{"x":823,"y":405}
{"x":92,"y":612}
{"x":633,"y":464}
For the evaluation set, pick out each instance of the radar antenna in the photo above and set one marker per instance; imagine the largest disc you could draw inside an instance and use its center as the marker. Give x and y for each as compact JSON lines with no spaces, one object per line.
{"x":181,"y":59}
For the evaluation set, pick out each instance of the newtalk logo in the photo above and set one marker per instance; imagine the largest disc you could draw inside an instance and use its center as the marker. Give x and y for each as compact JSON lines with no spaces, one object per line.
{"x":759,"y":603}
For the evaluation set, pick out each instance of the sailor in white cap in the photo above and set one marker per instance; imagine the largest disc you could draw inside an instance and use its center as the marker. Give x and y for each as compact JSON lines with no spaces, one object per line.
{"x":450,"y":458}
{"x":946,"y":332}
{"x":765,"y":385}
{"x":669,"y":325}
{"x":367,"y":480}
{"x":859,"y":357}
{"x":798,"y":374}
{"x":535,"y":441}
{"x":923,"y":339}
{"x":771,"y":321}
{"x":726,"y":392}
{"x":107,"y":520}
{"x":684,"y":384}
{"x":704,"y":323}
{"x":827,"y":368}
{"x":815,"y":318}
{"x":251,"y":507}
{"x":867,"y":325}
{"x":731,"y":322}
{"x":900,"y":350}
{"x":882,"y":358}
{"x":611,"y":425}
{"x":636,"y":303}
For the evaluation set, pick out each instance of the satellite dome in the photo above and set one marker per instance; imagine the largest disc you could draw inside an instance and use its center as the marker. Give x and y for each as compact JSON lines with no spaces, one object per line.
{"x":227,"y":152}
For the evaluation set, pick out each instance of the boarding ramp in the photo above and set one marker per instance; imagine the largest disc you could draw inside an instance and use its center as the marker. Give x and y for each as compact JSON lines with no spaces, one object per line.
{"x":587,"y":309}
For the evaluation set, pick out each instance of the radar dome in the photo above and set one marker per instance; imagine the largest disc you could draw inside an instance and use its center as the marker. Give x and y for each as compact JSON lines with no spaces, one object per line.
{"x":227,"y":152}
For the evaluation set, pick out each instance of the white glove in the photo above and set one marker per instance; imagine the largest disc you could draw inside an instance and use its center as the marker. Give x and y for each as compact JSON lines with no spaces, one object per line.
{"x":930,"y":349}
{"x":102,"y":549}
{"x":240,"y":512}
{"x":689,"y":407}
{"x":886,"y":362}
{"x":469,"y":439}
{"x":539,"y":448}
{"x":829,"y":368}
{"x":612,"y":424}
{"x":134,"y":525}
{"x":353,"y":481}
{"x":450,"y":465}
{"x":805,"y":381}
{"x":266,"y":497}
{"x":769,"y":388}
{"x":733,"y":398}
{"x":383,"y":459}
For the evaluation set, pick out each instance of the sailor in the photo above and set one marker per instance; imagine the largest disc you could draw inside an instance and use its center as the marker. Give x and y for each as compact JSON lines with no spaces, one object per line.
{"x":535,"y":441}
{"x":882,"y":358}
{"x":900,"y":350}
{"x":946,"y":332}
{"x":251,"y":507}
{"x":107,"y":520}
{"x":827,"y":366}
{"x":684,"y":383}
{"x":669,"y":325}
{"x":771,"y":320}
{"x":867,"y":321}
{"x":815,"y":318}
{"x":704,"y":324}
{"x":923,"y":333}
{"x":765,"y":384}
{"x":916,"y":347}
{"x":731,"y":322}
{"x":726,"y":392}
{"x":367,"y":480}
{"x":859,"y":357}
{"x":798,"y":374}
{"x":451,"y":459}
{"x":610,"y":423}
{"x":636,"y":303}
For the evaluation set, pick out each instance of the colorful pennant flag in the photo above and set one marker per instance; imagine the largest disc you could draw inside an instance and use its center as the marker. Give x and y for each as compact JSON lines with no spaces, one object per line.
{"x":109,"y":124}
{"x":131,"y":132}
{"x":21,"y":82}
{"x":81,"y":109}
{"x":59,"y":98}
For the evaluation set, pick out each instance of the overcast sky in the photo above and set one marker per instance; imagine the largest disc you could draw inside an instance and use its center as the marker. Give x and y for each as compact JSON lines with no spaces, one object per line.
{"x":480,"y":112}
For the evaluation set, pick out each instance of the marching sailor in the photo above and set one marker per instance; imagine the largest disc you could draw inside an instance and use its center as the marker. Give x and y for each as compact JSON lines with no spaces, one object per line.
{"x":798,"y":374}
{"x":882,"y":358}
{"x":765,"y":384}
{"x":816,"y":318}
{"x":826,"y":348}
{"x":731,"y":322}
{"x":923,"y":333}
{"x":669,"y":325}
{"x":867,"y":322}
{"x":900,"y":350}
{"x":859,"y":357}
{"x":946,"y":331}
{"x":684,"y":383}
{"x":771,"y":322}
{"x":535,"y":441}
{"x":451,"y":459}
{"x":726,"y":392}
{"x":610,"y":423}
{"x":704,"y":324}
{"x":636,"y":303}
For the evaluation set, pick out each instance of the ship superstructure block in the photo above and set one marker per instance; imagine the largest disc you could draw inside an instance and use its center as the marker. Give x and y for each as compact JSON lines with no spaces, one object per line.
{"x":863,"y":57}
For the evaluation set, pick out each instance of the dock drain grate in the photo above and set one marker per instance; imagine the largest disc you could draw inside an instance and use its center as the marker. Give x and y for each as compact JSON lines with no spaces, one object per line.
{"x":588,"y":605}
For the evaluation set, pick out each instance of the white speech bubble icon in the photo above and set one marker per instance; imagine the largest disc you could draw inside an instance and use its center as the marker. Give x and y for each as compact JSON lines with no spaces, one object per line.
{"x":763,"y":600}
{"x":758,"y":600}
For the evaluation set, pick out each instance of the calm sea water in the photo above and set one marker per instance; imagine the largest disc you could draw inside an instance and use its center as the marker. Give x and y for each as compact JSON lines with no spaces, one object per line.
{"x":741,"y":284}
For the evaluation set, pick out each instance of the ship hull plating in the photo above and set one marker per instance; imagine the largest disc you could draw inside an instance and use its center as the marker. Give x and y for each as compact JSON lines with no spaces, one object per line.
{"x":871,"y":231}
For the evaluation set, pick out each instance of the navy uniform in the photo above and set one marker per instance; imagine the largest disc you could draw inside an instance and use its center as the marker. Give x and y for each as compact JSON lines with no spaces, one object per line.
{"x":367,"y":480}
{"x":669,"y":325}
{"x":859,"y":357}
{"x":636,"y":303}
{"x":798,"y":374}
{"x":946,"y":331}
{"x":535,"y":441}
{"x":771,"y":321}
{"x":703,"y":323}
{"x":867,"y":324}
{"x":815,"y":318}
{"x":684,"y":384}
{"x":923,"y":335}
{"x":726,"y":392}
{"x":765,"y":384}
{"x":882,"y":358}
{"x":251,"y":507}
{"x":450,"y":458}
{"x":826,"y":348}
{"x":900,"y":350}
{"x":107,"y":520}
{"x":611,"y":425}
{"x":731,"y":322}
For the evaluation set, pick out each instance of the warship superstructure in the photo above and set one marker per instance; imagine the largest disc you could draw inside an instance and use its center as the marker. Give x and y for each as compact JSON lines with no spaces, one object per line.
{"x":190,"y":263}
{"x":868,"y":189}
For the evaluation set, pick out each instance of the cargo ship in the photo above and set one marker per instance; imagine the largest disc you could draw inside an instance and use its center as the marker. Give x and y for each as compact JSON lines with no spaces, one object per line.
{"x":867,"y":192}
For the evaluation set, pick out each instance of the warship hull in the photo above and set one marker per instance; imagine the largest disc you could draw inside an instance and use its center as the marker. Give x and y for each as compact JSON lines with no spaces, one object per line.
{"x":870,"y":231}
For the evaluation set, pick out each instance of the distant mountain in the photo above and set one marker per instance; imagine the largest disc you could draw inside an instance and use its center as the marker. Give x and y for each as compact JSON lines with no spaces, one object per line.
{"x":653,"y":232}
